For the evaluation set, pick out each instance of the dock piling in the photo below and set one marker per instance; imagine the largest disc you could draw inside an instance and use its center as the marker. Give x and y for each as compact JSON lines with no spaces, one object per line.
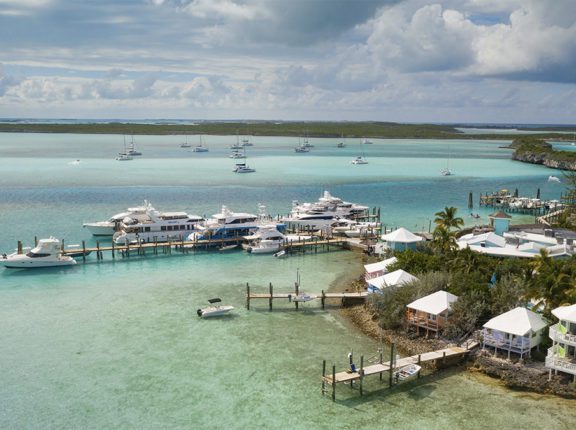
{"x":391,"y":364}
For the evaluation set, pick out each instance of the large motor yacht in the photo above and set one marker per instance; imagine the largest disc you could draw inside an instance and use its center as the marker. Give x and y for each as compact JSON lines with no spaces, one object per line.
{"x":323,"y":212}
{"x":47,"y":253}
{"x":107,"y":228}
{"x":228,"y":225}
{"x":267,"y":239}
{"x":156,"y":227}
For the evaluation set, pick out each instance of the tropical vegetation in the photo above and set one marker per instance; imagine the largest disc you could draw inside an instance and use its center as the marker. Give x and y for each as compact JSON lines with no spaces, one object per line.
{"x":486,"y":286}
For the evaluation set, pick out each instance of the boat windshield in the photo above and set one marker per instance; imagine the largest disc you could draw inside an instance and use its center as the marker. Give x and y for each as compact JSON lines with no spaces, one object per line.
{"x":36,"y":255}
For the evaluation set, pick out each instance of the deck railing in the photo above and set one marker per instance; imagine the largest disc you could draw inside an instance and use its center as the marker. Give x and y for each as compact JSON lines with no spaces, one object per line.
{"x":558,"y":336}
{"x":562,"y":364}
{"x":518,"y":344}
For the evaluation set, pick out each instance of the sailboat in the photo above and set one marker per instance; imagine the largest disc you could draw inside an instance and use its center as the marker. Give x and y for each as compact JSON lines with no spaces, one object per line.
{"x":446,"y":171}
{"x":341,"y":144}
{"x":360,"y":159}
{"x":199,"y":147}
{"x":132,"y":149}
{"x":124,"y":156}
{"x":185,"y":144}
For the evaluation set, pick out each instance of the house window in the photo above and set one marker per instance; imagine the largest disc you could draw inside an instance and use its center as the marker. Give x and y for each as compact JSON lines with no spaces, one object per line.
{"x":432,"y":317}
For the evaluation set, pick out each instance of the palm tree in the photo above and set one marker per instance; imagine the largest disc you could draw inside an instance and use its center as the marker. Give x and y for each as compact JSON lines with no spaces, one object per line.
{"x":443,"y":240}
{"x":447,"y":219}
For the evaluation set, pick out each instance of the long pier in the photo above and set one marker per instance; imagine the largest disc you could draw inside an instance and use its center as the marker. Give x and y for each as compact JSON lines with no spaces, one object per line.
{"x":313,"y":244}
{"x":352,"y":375}
{"x":297,"y":297}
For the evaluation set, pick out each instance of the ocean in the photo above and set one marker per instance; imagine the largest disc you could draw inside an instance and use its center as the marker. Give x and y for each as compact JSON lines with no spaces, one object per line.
{"x":117,"y":344}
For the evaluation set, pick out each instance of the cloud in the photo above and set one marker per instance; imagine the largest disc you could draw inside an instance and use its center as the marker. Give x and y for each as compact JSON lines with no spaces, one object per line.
{"x":6,"y":81}
{"x":538,"y":43}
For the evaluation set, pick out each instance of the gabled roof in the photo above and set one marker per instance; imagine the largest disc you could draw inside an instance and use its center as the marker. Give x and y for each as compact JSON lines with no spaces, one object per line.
{"x":402,"y":235}
{"x":381,"y":265}
{"x":394,"y":279}
{"x":518,"y":321}
{"x":565,"y":313}
{"x":499,"y":214}
{"x":435,"y":303}
{"x":489,"y":238}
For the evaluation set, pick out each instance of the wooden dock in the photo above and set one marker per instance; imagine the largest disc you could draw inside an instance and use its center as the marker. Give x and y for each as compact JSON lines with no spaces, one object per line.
{"x":296,"y":296}
{"x":313,"y":244}
{"x":349,"y":377}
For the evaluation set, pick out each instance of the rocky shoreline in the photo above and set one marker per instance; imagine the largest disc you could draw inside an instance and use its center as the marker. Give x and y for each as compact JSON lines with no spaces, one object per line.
{"x":545,"y":159}
{"x":532,"y":376}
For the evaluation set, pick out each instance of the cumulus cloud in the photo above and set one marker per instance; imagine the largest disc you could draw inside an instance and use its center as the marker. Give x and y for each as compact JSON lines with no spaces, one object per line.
{"x":6,"y":81}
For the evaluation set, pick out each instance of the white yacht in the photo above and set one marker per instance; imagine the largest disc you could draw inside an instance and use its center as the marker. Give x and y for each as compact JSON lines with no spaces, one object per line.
{"x":237,"y":155}
{"x":107,"y":228}
{"x":122,"y":156}
{"x":322,"y":213}
{"x":359,"y":160}
{"x":47,"y":253}
{"x":243,"y":168}
{"x":228,"y":225}
{"x":156,"y":227}
{"x":266,"y":240}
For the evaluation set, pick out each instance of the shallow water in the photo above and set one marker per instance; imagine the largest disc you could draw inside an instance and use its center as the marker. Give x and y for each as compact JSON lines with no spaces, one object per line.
{"x":117,"y":344}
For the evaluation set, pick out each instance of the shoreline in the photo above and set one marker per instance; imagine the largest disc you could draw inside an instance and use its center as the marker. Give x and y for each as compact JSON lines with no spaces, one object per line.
{"x":511,"y":375}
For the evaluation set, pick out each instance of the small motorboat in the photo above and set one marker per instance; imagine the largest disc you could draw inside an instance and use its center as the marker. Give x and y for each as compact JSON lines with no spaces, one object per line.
{"x":301,"y":149}
{"x":406,"y":373}
{"x":122,"y":156}
{"x":302,"y":297}
{"x":281,"y":254}
{"x":554,"y":179}
{"x":359,"y":160}
{"x":243,"y":168}
{"x":225,"y":248}
{"x":445,"y":172}
{"x":215,"y":310}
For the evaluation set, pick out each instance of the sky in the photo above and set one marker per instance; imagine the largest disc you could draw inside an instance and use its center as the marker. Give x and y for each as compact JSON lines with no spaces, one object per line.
{"x":447,"y":61}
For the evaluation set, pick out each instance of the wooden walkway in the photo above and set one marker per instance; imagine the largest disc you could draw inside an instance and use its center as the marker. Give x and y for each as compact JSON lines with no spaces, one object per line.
{"x":315,"y":244}
{"x":350,"y":377}
{"x":298,"y":297}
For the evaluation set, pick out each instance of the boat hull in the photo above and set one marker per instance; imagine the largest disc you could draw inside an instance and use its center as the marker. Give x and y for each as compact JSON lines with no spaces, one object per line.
{"x":100,"y":229}
{"x":35,"y":263}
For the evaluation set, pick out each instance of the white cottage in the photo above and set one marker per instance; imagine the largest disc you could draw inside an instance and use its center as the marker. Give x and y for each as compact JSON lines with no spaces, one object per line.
{"x":394,"y":279}
{"x":378,"y":269}
{"x":562,"y":356}
{"x":401,"y":239}
{"x":431,"y":312}
{"x":517,"y":331}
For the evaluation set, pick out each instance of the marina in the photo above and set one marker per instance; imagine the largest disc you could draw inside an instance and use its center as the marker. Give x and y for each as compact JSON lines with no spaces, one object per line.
{"x":120,"y":337}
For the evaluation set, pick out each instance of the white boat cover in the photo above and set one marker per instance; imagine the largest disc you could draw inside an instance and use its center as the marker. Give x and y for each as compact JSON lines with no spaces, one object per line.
{"x":519,"y":321}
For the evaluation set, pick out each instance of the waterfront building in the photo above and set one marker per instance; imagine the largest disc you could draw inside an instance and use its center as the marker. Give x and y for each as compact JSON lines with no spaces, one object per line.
{"x":431,"y":312}
{"x":380,"y":268}
{"x":562,"y":355}
{"x":500,"y":221}
{"x":401,"y":240}
{"x":516,"y":331}
{"x":397,"y":278}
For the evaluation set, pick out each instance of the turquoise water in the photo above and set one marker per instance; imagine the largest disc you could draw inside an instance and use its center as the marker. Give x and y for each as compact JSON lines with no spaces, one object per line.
{"x":117,"y":344}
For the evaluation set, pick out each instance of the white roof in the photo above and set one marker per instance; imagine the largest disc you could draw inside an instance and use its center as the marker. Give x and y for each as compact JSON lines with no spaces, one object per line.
{"x":488,"y":238}
{"x":435,"y":303}
{"x":531,"y":247}
{"x":396,"y":278}
{"x":401,"y":235}
{"x":565,"y":313}
{"x":518,"y":321}
{"x":381,"y":265}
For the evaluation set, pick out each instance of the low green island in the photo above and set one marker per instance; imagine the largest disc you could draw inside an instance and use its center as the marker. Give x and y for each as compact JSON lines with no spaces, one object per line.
{"x":374,"y":129}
